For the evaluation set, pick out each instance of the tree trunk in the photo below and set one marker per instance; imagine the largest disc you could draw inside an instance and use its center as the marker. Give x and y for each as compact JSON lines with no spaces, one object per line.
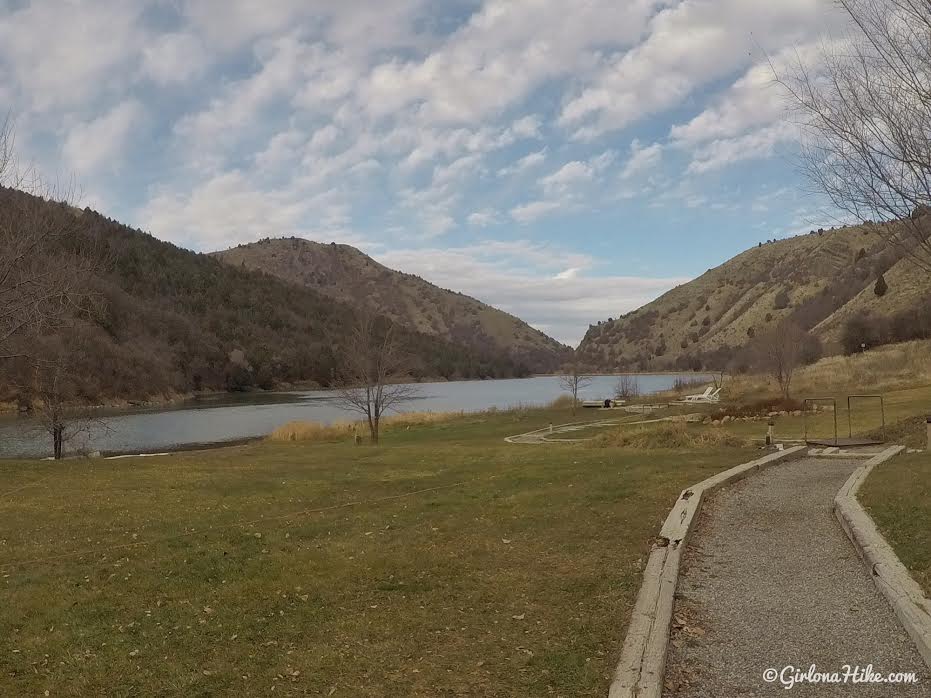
{"x":57,"y":438}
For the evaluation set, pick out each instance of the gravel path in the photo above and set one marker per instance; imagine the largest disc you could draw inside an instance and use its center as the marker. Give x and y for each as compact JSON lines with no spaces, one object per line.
{"x":769,"y":580}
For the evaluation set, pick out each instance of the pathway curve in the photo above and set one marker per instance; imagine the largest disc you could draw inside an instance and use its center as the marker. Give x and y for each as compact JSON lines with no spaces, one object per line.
{"x":571,"y":433}
{"x":769,"y":579}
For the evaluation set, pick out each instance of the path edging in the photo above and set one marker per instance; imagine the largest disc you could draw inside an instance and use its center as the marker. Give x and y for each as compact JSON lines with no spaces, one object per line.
{"x":640,"y":670}
{"x":888,"y":573}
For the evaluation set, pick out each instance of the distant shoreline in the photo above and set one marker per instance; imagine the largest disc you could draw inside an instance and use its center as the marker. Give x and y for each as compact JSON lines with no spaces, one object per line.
{"x":180,"y":400}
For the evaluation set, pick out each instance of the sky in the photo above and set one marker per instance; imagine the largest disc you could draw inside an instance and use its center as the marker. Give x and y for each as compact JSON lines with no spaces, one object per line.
{"x":566,"y":161}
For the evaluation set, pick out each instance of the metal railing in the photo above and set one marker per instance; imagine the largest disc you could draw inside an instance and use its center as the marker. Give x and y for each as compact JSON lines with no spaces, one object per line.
{"x":850,"y":398}
{"x":813,"y":400}
{"x":882,"y":410}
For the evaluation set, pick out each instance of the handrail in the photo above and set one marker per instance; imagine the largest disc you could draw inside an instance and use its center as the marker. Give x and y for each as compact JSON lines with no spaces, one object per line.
{"x":882,"y":409}
{"x":832,"y":400}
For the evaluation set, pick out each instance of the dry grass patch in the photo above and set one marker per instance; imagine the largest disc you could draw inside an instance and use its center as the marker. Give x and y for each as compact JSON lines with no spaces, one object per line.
{"x":342,"y":430}
{"x":563,"y":402}
{"x":314,"y":431}
{"x":887,"y":368}
{"x":671,"y":435}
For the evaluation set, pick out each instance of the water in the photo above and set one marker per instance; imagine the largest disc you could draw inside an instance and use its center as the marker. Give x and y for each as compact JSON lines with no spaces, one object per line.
{"x":230,"y":418}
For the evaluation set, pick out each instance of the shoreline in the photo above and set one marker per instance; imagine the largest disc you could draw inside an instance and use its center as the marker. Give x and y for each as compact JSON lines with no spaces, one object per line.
{"x":182,"y":399}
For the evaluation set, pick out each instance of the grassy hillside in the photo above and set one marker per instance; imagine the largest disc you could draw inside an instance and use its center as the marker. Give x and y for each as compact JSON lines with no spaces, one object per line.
{"x":820,"y":280}
{"x":347,"y":275}
{"x":169,"y":321}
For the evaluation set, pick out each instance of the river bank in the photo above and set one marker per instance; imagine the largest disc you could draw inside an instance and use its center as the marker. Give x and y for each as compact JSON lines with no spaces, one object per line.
{"x":226,"y":417}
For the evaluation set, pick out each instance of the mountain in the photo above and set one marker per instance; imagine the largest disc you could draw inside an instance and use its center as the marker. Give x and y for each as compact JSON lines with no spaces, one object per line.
{"x":167,"y":321}
{"x":349,"y":276}
{"x":824,"y":281}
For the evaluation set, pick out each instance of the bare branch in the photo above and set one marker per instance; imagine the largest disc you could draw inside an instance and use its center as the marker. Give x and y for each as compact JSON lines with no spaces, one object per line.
{"x":373,"y":374}
{"x":865,"y":116}
{"x":45,"y":265}
{"x":573,"y":381}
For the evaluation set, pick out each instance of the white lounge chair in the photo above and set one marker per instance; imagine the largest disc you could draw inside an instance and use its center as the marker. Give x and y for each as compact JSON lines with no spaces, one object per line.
{"x":711,"y":395}
{"x":700,"y":397}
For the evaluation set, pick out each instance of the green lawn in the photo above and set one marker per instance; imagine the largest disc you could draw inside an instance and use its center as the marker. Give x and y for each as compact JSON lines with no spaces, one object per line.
{"x":897,"y":495}
{"x":444,"y":562}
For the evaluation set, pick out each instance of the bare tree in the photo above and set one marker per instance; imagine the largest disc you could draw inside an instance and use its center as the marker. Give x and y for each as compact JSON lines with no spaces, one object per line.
{"x":626,"y":387}
{"x":44,"y":267}
{"x":374,"y":367}
{"x":780,"y":353}
{"x":47,"y":381}
{"x":865,"y":114}
{"x":573,"y":380}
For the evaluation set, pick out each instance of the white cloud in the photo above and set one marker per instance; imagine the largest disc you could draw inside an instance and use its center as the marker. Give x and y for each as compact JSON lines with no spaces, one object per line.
{"x":484,"y":218}
{"x":575,"y":173}
{"x":727,"y":151}
{"x":529,"y":212}
{"x":642,"y":159}
{"x":561,"y":189}
{"x":229,"y":24}
{"x":228,"y":209}
{"x":504,"y":51}
{"x":174,"y":58}
{"x":566,"y":177}
{"x":689,"y":45}
{"x":65,"y":54}
{"x":531,"y":280}
{"x":100,"y":143}
{"x":228,"y":116}
{"x":525,"y":163}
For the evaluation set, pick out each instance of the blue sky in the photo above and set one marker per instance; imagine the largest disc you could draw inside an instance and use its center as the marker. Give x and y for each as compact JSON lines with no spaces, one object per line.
{"x":565,"y":161}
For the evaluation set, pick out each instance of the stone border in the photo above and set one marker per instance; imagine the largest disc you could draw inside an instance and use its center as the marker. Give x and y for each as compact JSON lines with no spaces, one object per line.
{"x":642,"y":664}
{"x":889,"y":575}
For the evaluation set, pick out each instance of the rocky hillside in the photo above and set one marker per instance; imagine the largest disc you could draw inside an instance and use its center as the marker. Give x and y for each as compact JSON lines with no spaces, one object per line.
{"x":821,"y":280}
{"x":345,"y":274}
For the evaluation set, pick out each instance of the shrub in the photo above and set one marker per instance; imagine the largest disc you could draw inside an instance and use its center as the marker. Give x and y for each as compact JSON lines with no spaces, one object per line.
{"x":811,"y":349}
{"x":626,"y":387}
{"x":563,"y":402}
{"x":859,"y":333}
{"x":781,"y":301}
{"x":880,"y":288}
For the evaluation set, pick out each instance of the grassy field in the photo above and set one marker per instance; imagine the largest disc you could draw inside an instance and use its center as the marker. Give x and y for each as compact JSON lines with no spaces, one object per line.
{"x":444,"y":562}
{"x":866,"y":417}
{"x":898,"y":496}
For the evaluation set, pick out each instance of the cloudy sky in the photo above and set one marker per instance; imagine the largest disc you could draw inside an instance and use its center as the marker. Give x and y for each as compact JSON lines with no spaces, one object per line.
{"x":566,"y":160}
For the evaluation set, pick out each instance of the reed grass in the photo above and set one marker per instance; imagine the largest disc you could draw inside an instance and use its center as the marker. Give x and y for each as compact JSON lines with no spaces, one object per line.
{"x":306,"y":431}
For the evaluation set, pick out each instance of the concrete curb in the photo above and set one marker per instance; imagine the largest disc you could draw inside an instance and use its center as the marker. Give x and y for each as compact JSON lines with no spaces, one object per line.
{"x":889,"y":575}
{"x":642,"y":664}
